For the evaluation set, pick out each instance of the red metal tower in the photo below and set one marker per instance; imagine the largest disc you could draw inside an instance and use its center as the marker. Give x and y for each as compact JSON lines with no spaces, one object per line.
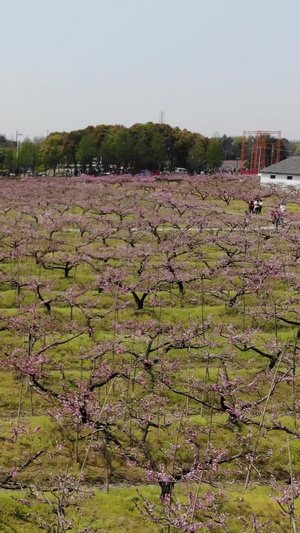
{"x":257,"y":157}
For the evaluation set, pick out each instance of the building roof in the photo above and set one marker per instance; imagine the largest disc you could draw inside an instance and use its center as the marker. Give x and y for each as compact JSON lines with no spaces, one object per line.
{"x":291,"y":165}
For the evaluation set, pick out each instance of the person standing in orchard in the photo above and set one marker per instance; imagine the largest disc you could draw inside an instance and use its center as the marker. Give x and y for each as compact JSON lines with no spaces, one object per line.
{"x":282,"y":211}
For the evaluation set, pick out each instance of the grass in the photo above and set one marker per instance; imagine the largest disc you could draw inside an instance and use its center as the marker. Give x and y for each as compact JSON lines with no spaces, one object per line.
{"x":118,"y":511}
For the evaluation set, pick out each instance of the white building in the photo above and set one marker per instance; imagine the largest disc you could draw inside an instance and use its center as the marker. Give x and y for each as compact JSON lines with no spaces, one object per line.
{"x":286,"y":172}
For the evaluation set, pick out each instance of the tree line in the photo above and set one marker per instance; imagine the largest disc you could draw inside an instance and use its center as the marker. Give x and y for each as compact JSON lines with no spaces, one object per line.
{"x":98,"y":149}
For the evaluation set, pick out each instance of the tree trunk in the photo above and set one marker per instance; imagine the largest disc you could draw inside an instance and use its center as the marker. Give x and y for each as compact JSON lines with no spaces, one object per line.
{"x":139,"y":301}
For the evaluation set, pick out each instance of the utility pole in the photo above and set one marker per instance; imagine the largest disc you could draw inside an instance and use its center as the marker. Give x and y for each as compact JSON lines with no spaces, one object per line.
{"x":18,"y":144}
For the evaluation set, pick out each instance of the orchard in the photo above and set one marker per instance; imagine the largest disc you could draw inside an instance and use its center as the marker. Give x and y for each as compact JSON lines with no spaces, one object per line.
{"x":150,"y":343}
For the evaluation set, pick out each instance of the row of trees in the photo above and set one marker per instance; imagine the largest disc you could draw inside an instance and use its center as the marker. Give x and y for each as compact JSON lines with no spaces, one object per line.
{"x":142,"y":146}
{"x":16,"y":158}
{"x":151,"y":146}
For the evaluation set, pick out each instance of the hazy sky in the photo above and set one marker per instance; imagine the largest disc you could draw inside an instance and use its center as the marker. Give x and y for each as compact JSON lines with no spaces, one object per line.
{"x":209,"y":65}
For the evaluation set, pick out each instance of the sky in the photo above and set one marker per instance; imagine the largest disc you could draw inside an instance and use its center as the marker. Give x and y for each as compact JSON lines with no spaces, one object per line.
{"x":210,"y":66}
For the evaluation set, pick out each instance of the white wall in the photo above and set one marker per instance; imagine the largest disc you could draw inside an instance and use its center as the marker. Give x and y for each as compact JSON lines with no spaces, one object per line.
{"x":279,"y":178}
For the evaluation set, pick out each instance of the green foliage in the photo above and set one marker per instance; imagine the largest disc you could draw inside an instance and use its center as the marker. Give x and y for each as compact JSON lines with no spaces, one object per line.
{"x":197,"y":157}
{"x":214,"y":154}
{"x":52,"y":151}
{"x":29,"y":155}
{"x":142,"y":146}
{"x":86,"y":151}
{"x":116,"y":147}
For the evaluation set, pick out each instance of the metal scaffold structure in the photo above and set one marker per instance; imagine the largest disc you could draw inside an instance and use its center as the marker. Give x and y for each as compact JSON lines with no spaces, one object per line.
{"x":255,"y":150}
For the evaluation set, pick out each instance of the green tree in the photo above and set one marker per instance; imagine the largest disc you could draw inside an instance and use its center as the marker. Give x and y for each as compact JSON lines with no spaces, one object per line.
{"x":28,"y":157}
{"x":87,"y":150}
{"x":52,"y":151}
{"x":169,"y":136}
{"x":100,"y":133}
{"x":197,"y":160}
{"x":237,"y":148}
{"x":157,"y":145}
{"x":116,"y":147}
{"x":9,"y":160}
{"x":286,"y":149}
{"x":2,"y":159}
{"x":71,"y":143}
{"x":3,"y":141}
{"x":139,"y":155}
{"x":232,"y":147}
{"x":215,"y":155}
{"x":149,"y":146}
{"x":183,"y":144}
